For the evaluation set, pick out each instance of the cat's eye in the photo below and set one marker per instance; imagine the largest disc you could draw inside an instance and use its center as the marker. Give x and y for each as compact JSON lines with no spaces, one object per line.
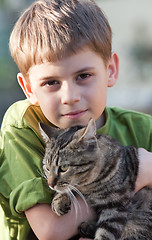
{"x":64,"y":168}
{"x":47,"y":168}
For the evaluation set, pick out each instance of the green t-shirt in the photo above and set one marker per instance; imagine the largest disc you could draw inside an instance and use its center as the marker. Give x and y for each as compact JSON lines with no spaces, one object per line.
{"x":22,"y":150}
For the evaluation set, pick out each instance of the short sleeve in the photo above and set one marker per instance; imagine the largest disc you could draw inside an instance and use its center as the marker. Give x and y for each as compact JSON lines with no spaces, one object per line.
{"x":21,"y":170}
{"x":27,"y":194}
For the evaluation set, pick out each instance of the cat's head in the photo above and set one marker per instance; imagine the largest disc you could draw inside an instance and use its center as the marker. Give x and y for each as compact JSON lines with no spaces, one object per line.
{"x":71,"y":157}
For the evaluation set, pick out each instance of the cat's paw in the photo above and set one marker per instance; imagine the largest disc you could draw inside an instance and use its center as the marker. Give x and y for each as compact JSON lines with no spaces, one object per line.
{"x":61,"y":204}
{"x":87,"y":229}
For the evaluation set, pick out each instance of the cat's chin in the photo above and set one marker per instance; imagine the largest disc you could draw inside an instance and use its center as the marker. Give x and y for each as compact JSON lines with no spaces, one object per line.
{"x":58,"y":190}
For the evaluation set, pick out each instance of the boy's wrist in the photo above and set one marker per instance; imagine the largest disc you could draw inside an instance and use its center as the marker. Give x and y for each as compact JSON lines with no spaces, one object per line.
{"x":144,"y":177}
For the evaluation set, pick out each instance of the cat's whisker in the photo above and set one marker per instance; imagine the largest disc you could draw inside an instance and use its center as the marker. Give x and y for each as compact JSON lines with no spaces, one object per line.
{"x":81,"y":195}
{"x":41,"y":174}
{"x":74,"y":201}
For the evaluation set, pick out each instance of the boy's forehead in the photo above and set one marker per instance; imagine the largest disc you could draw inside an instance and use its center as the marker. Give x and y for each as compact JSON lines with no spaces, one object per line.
{"x":74,"y":63}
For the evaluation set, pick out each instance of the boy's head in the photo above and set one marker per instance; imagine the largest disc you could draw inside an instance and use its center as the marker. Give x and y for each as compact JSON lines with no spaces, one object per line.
{"x":63,"y":50}
{"x":52,"y":29}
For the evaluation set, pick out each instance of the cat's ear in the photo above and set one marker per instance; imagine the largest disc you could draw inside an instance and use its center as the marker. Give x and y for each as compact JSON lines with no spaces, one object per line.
{"x":89,"y":132}
{"x":48,"y":132}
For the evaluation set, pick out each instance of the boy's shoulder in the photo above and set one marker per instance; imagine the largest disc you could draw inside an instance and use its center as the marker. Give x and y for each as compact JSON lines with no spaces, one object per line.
{"x":23,"y":114}
{"x":122,"y":114}
{"x":15,"y":113}
{"x":128,"y":127}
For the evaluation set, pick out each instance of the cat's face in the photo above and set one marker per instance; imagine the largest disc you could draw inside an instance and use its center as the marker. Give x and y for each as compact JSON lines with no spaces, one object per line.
{"x":71,"y":158}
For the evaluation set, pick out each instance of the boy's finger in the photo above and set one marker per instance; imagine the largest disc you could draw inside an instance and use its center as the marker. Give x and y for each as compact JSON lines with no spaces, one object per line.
{"x":85,"y":239}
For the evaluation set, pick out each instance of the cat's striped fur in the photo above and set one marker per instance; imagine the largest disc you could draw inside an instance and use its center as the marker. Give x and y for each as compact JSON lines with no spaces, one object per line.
{"x":103,"y":172}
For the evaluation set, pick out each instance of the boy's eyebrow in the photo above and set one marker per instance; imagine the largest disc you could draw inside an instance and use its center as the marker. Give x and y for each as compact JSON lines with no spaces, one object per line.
{"x":75,"y":73}
{"x":84,"y":70}
{"x":47,"y":78}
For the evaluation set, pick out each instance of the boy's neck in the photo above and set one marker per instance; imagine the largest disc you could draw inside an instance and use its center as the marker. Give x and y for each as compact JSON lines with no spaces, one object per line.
{"x":101,"y":121}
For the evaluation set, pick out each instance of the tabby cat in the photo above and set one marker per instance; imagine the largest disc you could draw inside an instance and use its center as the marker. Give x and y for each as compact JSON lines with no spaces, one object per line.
{"x":103,"y":173}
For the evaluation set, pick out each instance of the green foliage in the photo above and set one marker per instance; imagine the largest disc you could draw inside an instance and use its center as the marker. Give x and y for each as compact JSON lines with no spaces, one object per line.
{"x":1,"y":3}
{"x":8,"y":71}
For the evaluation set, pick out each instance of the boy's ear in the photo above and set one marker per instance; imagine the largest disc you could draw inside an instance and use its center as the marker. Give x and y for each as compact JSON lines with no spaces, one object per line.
{"x":26,"y":87}
{"x":113,"y":69}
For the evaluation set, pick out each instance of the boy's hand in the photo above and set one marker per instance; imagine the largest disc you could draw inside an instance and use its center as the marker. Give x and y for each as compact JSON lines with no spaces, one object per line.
{"x":85,"y":239}
{"x":144,"y":177}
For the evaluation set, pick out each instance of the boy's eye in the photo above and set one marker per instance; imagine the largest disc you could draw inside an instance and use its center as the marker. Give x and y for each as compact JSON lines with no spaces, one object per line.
{"x":83,"y":76}
{"x":50,"y":83}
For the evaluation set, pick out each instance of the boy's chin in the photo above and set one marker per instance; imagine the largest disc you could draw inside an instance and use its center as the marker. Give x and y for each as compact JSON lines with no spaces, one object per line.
{"x":73,"y":123}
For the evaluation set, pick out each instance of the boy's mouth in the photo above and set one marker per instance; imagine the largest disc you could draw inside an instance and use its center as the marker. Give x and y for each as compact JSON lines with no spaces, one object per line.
{"x":76,"y":114}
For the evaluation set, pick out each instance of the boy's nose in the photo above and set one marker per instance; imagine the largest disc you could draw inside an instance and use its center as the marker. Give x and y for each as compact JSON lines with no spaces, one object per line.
{"x":70,"y":94}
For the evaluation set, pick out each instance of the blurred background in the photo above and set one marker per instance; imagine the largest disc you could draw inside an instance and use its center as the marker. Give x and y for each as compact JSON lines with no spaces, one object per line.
{"x":131,"y":22}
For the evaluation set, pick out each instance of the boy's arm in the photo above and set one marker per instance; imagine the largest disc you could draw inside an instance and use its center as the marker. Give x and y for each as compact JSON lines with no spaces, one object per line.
{"x":48,"y":226}
{"x":144,"y":177}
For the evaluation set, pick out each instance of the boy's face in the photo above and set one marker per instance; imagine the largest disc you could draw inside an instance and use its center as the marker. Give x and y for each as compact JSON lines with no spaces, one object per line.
{"x":72,"y":90}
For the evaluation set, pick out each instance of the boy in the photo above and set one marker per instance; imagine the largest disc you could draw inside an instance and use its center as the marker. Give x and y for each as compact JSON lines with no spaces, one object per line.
{"x":63,"y":51}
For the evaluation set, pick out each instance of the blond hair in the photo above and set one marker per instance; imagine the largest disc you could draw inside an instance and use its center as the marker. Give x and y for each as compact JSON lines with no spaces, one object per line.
{"x":51,"y":29}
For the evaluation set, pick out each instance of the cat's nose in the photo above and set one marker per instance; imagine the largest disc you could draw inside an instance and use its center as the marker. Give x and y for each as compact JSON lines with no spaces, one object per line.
{"x":52,"y":182}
